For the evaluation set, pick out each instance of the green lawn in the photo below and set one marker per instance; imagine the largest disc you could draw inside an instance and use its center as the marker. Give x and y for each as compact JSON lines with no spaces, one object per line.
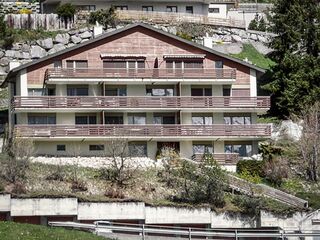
{"x":254,"y":56}
{"x":18,"y":231}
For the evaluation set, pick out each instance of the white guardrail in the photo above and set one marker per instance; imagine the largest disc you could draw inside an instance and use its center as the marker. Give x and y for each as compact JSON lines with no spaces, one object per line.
{"x":190,"y":233}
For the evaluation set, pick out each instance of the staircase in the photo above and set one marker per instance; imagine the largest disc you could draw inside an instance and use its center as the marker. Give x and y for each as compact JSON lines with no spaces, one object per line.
{"x":246,"y":187}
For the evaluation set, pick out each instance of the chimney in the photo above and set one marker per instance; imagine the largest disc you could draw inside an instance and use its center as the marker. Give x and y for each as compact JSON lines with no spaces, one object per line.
{"x":13,"y":64}
{"x":97,"y":30}
{"x":207,"y":42}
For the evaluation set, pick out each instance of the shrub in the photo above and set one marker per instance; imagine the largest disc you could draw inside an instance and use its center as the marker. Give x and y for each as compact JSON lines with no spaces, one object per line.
{"x":253,"y":167}
{"x":276,"y":170}
{"x":6,"y":38}
{"x":66,"y":12}
{"x":106,"y":17}
{"x":25,"y":11}
{"x":248,"y":205}
{"x":251,"y":177}
{"x":292,"y":185}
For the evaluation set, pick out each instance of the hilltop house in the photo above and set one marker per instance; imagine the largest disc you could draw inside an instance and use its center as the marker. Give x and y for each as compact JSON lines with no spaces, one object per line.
{"x":142,"y":84}
{"x":214,"y":8}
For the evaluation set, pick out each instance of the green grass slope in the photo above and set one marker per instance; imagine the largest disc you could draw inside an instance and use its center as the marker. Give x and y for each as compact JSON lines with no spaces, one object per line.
{"x":254,"y":56}
{"x":18,"y":231}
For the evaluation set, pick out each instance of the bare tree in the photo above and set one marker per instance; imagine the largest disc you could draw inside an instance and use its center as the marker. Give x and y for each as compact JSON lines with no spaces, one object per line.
{"x":122,"y":166}
{"x":16,"y":159}
{"x":309,"y":142}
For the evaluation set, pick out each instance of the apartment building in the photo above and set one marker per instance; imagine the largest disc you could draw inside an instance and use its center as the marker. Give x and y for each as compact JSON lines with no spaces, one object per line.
{"x":215,"y":8}
{"x":144,"y":85}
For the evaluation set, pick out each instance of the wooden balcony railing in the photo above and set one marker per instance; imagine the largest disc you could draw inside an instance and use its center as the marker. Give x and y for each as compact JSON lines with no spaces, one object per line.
{"x":151,"y":130}
{"x":143,"y":73}
{"x":221,"y":158}
{"x":183,"y":102}
{"x":169,"y":17}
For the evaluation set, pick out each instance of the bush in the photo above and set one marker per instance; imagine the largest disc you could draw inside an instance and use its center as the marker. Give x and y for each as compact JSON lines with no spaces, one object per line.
{"x":248,"y":205}
{"x":250,"y":177}
{"x":66,"y":12}
{"x":258,"y":25}
{"x":6,"y":38}
{"x":106,"y":17}
{"x":254,"y":167}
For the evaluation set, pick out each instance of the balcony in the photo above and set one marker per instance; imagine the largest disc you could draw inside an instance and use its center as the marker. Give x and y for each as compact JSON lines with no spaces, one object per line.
{"x":122,"y":103}
{"x":221,"y":158}
{"x":202,"y":75}
{"x":204,"y":132}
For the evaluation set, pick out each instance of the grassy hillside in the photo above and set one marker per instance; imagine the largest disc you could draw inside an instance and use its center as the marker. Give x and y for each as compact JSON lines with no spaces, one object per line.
{"x":17,"y":231}
{"x":254,"y":56}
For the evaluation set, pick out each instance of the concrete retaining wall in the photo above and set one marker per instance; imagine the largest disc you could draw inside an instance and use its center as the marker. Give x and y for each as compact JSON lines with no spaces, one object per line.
{"x":44,"y":207}
{"x":111,"y":211}
{"x":68,"y":209}
{"x":171,"y":215}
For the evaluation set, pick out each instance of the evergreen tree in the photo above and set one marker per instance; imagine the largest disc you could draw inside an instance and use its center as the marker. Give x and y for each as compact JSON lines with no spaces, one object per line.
{"x":295,"y":79}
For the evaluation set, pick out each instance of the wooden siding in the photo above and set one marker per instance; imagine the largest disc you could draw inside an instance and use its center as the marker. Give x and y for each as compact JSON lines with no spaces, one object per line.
{"x":137,"y":41}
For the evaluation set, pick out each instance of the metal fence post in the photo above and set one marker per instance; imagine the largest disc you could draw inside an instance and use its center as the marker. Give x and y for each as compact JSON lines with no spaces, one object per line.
{"x":143,"y":233}
{"x":189,"y":233}
{"x":236,"y":234}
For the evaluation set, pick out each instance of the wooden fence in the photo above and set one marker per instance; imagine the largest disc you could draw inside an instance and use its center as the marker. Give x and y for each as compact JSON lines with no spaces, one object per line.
{"x":39,"y":21}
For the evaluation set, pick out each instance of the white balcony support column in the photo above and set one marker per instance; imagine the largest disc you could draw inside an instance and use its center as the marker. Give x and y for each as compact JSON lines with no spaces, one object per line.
{"x":22,"y":118}
{"x":254,"y":118}
{"x":217,"y":90}
{"x":186,"y":118}
{"x":94,"y":90}
{"x":149,"y":118}
{"x":253,"y":83}
{"x":152,"y":149}
{"x":125,"y":118}
{"x":218,"y":147}
{"x":186,"y":149}
{"x":65,"y":118}
{"x":218,"y":118}
{"x":61,"y":90}
{"x":136,"y":90}
{"x":185,"y":90}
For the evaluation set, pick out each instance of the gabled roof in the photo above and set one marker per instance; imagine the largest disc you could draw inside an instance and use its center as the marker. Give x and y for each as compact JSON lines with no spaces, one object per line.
{"x":14,"y":71}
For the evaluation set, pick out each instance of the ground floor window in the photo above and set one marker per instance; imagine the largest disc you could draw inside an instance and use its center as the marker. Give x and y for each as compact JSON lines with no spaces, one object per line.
{"x":244,"y":150}
{"x":97,"y":147}
{"x":202,"y":148}
{"x":138,"y":149}
{"x":61,"y":147}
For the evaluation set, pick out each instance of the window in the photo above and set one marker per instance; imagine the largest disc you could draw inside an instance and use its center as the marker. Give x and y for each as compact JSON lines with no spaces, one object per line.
{"x":201,"y":92}
{"x":193,"y":64}
{"x":86,"y":120}
{"x":159,"y":91}
{"x":131,"y":64}
{"x":61,"y":147}
{"x":189,"y":9}
{"x":214,"y":10}
{"x":121,"y":7}
{"x":35,"y":91}
{"x":77,"y":91}
{"x":163,"y":119}
{"x":57,"y":64}
{"x":147,"y":8}
{"x":86,"y":7}
{"x":77,"y":64}
{"x":178,"y":64}
{"x":137,"y":149}
{"x":98,"y":147}
{"x":237,"y":120}
{"x":244,"y":150}
{"x":218,"y":64}
{"x":44,"y":119}
{"x":202,"y":148}
{"x":172,"y":9}
{"x":116,"y":91}
{"x":51,"y":91}
{"x":226,"y":92}
{"x":113,"y":119}
{"x":202,"y":120}
{"x":137,"y":118}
